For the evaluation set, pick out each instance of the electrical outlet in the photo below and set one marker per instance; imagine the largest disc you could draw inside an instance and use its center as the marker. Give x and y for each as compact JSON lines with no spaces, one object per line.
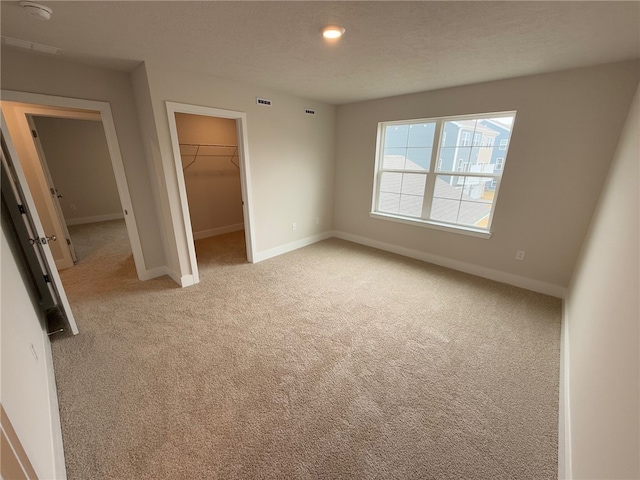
{"x":294,"y":226}
{"x":520,"y":255}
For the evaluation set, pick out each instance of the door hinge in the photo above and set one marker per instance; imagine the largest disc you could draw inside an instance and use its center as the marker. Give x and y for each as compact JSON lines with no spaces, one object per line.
{"x":47,"y":278}
{"x":34,"y":133}
{"x":68,"y":241}
{"x":52,"y":190}
{"x":22,"y":210}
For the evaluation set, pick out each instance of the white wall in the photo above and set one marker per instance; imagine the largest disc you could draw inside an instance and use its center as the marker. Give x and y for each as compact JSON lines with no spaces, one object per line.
{"x":27,"y":369}
{"x":603,"y":315}
{"x":47,"y":75}
{"x":565,"y":133}
{"x":78,"y":158}
{"x":291,"y":155}
{"x":212,"y":183}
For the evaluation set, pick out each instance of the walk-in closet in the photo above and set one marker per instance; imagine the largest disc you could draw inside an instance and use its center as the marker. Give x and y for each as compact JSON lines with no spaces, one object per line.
{"x":211,"y":169}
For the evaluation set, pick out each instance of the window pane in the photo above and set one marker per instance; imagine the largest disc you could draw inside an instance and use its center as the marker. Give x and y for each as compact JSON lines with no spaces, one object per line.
{"x":391,"y":182}
{"x":421,"y":134}
{"x":413,"y":183}
{"x":497,"y":134}
{"x":389,"y":202}
{"x":445,"y":210}
{"x":448,"y":186}
{"x":459,"y":133}
{"x":394,"y":158}
{"x":402,"y":193}
{"x":480,"y":160}
{"x":396,"y":135}
{"x":454,"y":159}
{"x":478,"y":189}
{"x":474,"y":214}
{"x":418,"y":158}
{"x":463,"y":200}
{"x":411,"y":205}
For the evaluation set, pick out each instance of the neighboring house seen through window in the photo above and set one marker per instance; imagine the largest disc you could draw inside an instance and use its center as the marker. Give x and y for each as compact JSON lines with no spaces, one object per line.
{"x":429,"y":173}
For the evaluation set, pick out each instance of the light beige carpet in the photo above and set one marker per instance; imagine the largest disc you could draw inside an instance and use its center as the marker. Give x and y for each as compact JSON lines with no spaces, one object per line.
{"x":335,"y":361}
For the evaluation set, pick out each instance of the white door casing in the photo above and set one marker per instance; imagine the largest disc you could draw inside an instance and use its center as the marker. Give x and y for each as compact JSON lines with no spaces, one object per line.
{"x":91,"y":107}
{"x":245,"y":177}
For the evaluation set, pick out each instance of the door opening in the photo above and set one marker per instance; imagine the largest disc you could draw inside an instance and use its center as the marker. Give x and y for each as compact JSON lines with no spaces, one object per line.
{"x":22,"y":112}
{"x":211,"y":160}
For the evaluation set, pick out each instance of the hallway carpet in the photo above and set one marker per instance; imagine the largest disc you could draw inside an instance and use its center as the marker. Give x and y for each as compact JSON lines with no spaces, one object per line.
{"x":335,"y":361}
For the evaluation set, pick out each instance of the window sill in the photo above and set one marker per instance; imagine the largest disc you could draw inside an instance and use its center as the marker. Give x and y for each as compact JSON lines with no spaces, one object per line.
{"x":473,"y":232}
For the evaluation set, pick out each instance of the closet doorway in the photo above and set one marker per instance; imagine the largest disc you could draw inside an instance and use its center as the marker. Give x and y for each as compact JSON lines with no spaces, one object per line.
{"x":209,"y":148}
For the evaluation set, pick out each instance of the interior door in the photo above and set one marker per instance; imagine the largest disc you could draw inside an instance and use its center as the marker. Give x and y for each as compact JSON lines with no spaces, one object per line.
{"x":34,"y":241}
{"x":53,"y":191}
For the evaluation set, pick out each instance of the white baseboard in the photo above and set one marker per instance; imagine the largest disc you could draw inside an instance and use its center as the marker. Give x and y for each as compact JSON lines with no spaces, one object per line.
{"x":564,"y":408}
{"x":489,"y":273}
{"x":152,"y":273}
{"x":289,"y":247}
{"x":94,"y":219}
{"x":218,"y":231}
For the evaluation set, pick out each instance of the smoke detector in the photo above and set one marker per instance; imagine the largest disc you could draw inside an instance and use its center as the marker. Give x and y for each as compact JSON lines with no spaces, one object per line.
{"x":37,"y":10}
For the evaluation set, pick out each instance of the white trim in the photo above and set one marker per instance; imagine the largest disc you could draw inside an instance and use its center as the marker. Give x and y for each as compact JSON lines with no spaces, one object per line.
{"x":289,"y":247}
{"x":56,"y":427}
{"x":489,"y":273}
{"x":95,"y":218}
{"x":245,"y":179}
{"x":418,"y":222}
{"x":154,"y":273}
{"x":565,"y":470}
{"x":114,"y":153}
{"x":217,"y":231}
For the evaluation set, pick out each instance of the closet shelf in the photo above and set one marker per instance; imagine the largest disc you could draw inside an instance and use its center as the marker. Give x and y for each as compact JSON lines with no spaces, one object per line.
{"x":216,"y":151}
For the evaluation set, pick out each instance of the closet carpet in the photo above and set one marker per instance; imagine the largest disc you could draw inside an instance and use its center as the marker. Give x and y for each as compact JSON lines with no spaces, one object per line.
{"x":335,"y":361}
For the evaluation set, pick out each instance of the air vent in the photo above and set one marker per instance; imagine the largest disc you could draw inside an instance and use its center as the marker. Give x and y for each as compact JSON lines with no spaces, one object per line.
{"x":309,"y":111}
{"x":263,"y":101}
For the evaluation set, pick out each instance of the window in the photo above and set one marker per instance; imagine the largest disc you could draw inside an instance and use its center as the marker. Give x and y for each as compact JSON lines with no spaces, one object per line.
{"x":425,"y":179}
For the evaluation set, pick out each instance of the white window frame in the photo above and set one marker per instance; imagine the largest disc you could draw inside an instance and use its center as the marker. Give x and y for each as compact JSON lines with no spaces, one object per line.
{"x":504,"y":143}
{"x":431,"y":174}
{"x":499,"y":163}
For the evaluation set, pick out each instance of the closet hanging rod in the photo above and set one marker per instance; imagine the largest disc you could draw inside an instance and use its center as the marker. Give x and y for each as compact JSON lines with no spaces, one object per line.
{"x":219,"y":145}
{"x":197,"y":153}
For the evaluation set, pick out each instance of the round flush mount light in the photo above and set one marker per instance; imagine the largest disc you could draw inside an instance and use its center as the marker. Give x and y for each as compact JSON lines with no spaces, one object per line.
{"x":332,"y":31}
{"x":37,"y":10}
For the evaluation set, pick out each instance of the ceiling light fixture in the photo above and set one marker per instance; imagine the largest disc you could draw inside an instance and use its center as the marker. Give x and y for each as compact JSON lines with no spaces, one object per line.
{"x":332,"y":31}
{"x":37,"y":10}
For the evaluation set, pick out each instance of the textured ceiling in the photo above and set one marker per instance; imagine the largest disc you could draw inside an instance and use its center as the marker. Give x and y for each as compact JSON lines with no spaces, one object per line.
{"x":389,"y":48}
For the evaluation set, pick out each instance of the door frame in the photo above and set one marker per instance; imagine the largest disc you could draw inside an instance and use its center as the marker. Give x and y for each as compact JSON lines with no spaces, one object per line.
{"x":45,"y":164}
{"x":104,"y":109}
{"x":245,"y":177}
